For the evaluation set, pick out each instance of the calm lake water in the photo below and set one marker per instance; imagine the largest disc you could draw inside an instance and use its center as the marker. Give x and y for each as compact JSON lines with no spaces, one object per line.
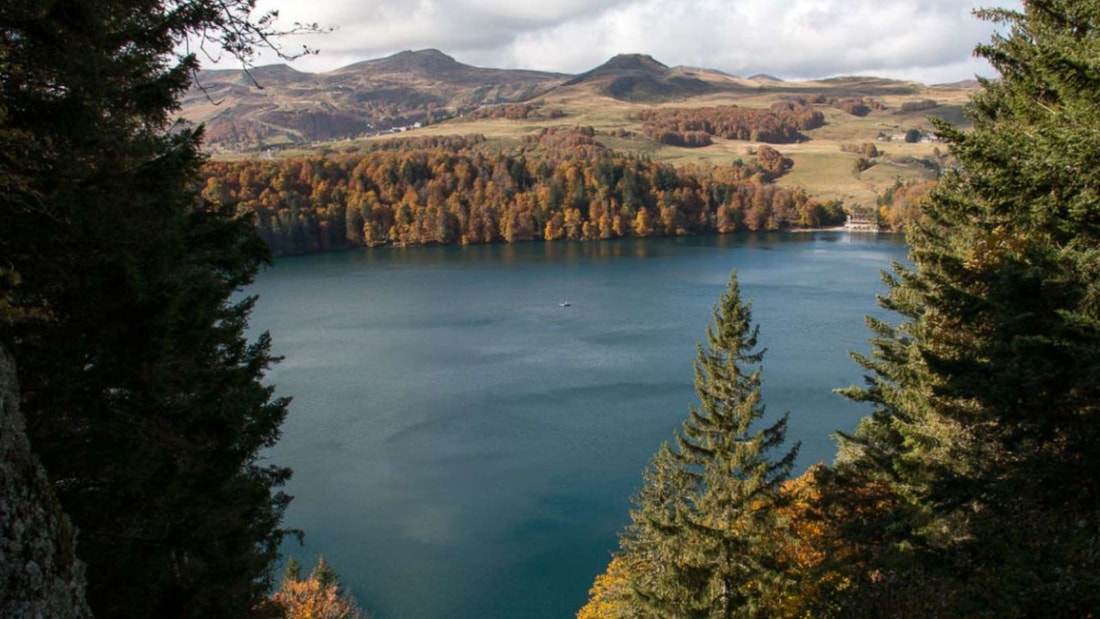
{"x":465,"y":447}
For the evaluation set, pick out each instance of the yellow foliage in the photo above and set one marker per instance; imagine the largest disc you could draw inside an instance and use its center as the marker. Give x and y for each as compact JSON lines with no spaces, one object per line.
{"x":904,"y":204}
{"x":808,"y":538}
{"x":310,"y":598}
{"x":805,"y":547}
{"x":307,"y":599}
{"x":996,"y":246}
{"x":609,"y":595}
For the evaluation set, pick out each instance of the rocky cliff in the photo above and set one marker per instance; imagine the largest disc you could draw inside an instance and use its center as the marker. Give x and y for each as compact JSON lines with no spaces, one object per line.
{"x":40,"y":576}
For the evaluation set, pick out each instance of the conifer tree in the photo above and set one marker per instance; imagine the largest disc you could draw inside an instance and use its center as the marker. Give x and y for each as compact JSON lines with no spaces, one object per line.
{"x":987,"y":392}
{"x":321,"y":596}
{"x":293,"y":571}
{"x":704,"y":528}
{"x":144,"y":399}
{"x":324,"y":574}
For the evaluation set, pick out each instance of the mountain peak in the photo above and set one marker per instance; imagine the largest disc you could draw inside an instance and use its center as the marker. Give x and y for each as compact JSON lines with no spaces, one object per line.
{"x":640,"y":78}
{"x":633,"y":62}
{"x":424,"y":54}
{"x":425,"y":60}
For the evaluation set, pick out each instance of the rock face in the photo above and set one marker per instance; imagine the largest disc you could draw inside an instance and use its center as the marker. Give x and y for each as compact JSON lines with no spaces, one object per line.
{"x":40,"y":576}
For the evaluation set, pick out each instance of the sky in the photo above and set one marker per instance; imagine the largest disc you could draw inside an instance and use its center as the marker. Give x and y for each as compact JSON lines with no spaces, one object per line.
{"x":929,"y":41}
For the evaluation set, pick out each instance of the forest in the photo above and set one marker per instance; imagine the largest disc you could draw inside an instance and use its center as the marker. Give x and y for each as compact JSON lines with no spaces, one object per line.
{"x":562,"y":185}
{"x":972,"y":488}
{"x":782,"y":123}
{"x":133,"y":473}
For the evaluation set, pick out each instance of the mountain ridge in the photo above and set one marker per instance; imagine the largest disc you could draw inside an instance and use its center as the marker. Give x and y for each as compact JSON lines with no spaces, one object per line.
{"x":277,"y":105}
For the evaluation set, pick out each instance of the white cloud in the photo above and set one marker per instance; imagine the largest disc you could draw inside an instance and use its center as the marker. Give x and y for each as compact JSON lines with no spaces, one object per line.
{"x":929,"y":40}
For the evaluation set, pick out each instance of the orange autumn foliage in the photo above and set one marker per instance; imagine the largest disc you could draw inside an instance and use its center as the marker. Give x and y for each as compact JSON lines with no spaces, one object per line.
{"x":901,"y":203}
{"x":309,"y":599}
{"x":809,"y":544}
{"x":563,"y":185}
{"x":692,"y":127}
{"x":609,"y":596}
{"x":319,"y":596}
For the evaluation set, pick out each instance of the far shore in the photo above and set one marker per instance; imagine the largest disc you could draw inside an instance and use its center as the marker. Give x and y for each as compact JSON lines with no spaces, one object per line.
{"x":836,"y":229}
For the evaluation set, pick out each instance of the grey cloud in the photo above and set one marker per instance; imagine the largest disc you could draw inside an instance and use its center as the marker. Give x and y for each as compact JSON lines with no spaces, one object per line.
{"x":795,"y":38}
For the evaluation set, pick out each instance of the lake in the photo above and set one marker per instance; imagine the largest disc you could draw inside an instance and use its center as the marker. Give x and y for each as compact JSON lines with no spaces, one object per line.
{"x":466,"y":447}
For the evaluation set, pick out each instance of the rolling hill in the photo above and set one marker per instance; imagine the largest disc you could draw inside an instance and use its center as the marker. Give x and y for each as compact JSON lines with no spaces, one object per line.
{"x":277,"y":105}
{"x":431,"y":94}
{"x":639,"y":78}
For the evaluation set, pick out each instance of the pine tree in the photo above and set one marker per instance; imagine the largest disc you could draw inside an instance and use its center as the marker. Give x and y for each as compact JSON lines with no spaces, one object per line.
{"x":704,"y":527}
{"x":143,"y":398}
{"x":293,"y":571}
{"x":987,"y":392}
{"x":321,"y":596}
{"x":324,"y":574}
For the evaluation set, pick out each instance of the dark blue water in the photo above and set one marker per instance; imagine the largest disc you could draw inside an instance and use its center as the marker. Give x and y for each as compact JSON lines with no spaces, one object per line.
{"x":465,"y":447}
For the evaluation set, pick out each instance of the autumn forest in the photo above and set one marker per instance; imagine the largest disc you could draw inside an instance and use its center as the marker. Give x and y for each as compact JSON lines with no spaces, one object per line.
{"x":138,"y":415}
{"x":563,"y":185}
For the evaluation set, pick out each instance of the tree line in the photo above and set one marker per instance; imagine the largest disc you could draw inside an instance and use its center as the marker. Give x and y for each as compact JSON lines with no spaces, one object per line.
{"x":516,"y":111}
{"x":972,"y":487}
{"x":854,"y":105}
{"x":782,"y":123}
{"x":857,"y":106}
{"x":562,"y":185}
{"x":900,"y":204}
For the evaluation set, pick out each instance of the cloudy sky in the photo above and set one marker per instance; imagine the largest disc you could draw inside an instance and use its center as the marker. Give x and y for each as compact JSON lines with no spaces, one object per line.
{"x":924,"y":40}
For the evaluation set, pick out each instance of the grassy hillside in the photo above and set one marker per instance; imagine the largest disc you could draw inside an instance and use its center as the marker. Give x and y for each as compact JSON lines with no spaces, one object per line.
{"x":610,"y":97}
{"x":821,"y":167}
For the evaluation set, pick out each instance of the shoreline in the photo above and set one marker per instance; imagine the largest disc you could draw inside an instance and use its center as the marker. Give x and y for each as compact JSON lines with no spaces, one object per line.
{"x":502,"y":242}
{"x":834,"y":229}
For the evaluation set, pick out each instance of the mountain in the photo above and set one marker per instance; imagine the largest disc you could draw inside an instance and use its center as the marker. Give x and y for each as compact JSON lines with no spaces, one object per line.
{"x":275,"y":104}
{"x":638,"y":78}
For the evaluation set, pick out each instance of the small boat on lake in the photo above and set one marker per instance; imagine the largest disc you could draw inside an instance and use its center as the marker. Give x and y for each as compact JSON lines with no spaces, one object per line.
{"x":564,"y":304}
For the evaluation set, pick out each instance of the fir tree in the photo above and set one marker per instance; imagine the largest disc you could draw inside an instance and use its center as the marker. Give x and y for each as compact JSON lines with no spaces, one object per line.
{"x":321,"y":596}
{"x":293,"y":571}
{"x":986,"y":394}
{"x":324,"y":574}
{"x":143,"y":397}
{"x":704,"y":527}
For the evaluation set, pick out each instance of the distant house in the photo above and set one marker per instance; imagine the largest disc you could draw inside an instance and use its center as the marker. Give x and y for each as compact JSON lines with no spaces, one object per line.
{"x":860,"y":223}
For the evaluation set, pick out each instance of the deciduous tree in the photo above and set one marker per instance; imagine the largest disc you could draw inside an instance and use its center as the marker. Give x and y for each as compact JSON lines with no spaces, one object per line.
{"x":318,"y":597}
